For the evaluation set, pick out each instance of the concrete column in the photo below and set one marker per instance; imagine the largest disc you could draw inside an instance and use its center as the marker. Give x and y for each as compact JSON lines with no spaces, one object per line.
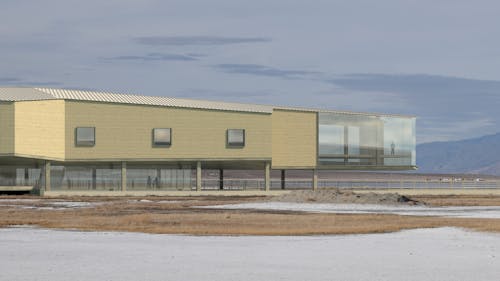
{"x":267,"y":179}
{"x":198,"y":176}
{"x":221,"y":179}
{"x":282,"y":179}
{"x":315,"y":179}
{"x":47,"y":175}
{"x":124,"y":176}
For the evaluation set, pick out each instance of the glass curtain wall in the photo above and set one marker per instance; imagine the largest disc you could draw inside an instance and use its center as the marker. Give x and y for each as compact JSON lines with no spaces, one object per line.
{"x":350,"y":139}
{"x":20,"y":176}
{"x":86,"y":176}
{"x":159,"y":177}
{"x":107,"y":177}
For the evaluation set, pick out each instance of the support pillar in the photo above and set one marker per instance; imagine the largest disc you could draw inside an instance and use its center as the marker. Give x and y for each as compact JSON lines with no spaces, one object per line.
{"x":26,"y":176}
{"x":315,"y":180}
{"x":47,"y":176}
{"x":221,"y":179}
{"x":346,"y":144}
{"x":94,"y":178}
{"x":267,"y":179}
{"x":124,"y":176}
{"x":282,"y":179}
{"x":198,"y":176}
{"x":158,"y":178}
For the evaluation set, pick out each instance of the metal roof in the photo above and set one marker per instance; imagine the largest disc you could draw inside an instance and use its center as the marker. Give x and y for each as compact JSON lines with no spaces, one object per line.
{"x":33,"y":94}
{"x":25,"y":94}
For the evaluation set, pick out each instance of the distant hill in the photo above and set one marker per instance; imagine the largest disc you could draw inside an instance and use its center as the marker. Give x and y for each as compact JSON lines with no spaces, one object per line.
{"x":476,"y":156}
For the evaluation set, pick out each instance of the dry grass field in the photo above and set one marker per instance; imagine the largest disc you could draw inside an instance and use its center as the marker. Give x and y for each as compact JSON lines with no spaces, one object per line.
{"x":180,"y":215}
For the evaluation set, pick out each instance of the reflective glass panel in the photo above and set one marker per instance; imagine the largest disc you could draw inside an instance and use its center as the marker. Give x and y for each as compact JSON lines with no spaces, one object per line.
{"x":162,"y":136}
{"x":85,"y":136}
{"x":86,"y":176}
{"x":159,"y":177}
{"x":356,"y":139}
{"x":236,"y":137}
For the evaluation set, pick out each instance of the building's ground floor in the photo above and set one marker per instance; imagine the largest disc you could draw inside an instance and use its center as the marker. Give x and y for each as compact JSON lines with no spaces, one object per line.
{"x":186,"y":176}
{"x":122,"y":176}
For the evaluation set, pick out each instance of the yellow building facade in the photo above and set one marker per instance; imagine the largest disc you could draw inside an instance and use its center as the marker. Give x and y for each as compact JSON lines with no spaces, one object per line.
{"x":68,"y":140}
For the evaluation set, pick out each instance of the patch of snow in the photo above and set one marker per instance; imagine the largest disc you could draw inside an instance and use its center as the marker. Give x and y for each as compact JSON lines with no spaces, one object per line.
{"x":19,"y":200}
{"x":151,"y":201}
{"x":72,"y":204}
{"x":52,"y":205}
{"x":461,"y":211}
{"x":169,"y":201}
{"x":424,"y":254}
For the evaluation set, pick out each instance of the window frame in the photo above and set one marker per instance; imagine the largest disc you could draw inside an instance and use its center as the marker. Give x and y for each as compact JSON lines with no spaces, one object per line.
{"x":161,"y":144}
{"x":82,"y":143}
{"x":236,"y":144}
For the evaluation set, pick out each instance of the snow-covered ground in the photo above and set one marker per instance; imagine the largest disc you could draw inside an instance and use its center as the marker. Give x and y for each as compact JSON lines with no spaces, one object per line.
{"x":424,"y":254}
{"x":41,"y":204}
{"x":46,"y":205}
{"x":462,"y":211}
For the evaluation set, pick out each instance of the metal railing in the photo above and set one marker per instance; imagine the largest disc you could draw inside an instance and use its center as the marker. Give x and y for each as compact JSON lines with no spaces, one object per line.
{"x":259,"y":184}
{"x":303,"y":184}
{"x":233,"y":184}
{"x":408,"y":184}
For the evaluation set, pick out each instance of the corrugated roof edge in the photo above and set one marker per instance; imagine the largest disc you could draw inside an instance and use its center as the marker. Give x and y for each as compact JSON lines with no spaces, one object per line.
{"x":34,"y":94}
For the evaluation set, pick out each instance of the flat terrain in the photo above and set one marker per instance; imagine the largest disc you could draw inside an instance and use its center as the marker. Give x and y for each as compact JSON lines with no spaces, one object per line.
{"x":441,"y":254}
{"x":185,"y":215}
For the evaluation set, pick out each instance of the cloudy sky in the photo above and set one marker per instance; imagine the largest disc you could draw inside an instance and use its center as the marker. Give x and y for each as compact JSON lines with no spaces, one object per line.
{"x":439,"y":60}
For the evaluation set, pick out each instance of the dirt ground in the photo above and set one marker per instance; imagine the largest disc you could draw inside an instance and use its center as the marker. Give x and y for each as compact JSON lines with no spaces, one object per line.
{"x":341,"y":196}
{"x":180,"y":215}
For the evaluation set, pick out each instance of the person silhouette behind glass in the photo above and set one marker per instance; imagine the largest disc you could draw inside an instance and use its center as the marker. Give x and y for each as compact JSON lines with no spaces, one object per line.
{"x":393,"y":148}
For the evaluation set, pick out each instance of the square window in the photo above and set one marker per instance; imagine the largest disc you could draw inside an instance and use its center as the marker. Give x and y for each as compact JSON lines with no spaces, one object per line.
{"x":85,"y":136}
{"x":162,"y":136}
{"x":236,"y":137}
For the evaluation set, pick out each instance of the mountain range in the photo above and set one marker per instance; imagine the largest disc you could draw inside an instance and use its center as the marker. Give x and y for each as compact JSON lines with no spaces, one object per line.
{"x":472,"y":156}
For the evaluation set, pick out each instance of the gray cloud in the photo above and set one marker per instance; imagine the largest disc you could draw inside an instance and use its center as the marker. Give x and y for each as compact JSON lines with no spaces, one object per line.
{"x":222,"y":95}
{"x":417,"y":84}
{"x":196,"y":55}
{"x":197,"y":40}
{"x":331,"y":37}
{"x":9,"y":80}
{"x":447,"y":107}
{"x":262,"y":70}
{"x":13,"y":81}
{"x":155,"y":57}
{"x":430,"y":94}
{"x":39,"y":83}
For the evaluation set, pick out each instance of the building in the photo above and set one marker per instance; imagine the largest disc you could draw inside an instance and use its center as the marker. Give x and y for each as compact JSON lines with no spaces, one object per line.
{"x":72,"y":140}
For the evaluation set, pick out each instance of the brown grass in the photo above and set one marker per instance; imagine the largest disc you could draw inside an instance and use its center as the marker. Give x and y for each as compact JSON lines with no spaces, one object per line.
{"x":118,"y":214}
{"x":459,"y":200}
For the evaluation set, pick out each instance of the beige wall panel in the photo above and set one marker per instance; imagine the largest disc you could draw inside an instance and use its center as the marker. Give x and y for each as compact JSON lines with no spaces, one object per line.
{"x":6,"y":128}
{"x":39,"y":129}
{"x":125,"y":132}
{"x":294,"y":139}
